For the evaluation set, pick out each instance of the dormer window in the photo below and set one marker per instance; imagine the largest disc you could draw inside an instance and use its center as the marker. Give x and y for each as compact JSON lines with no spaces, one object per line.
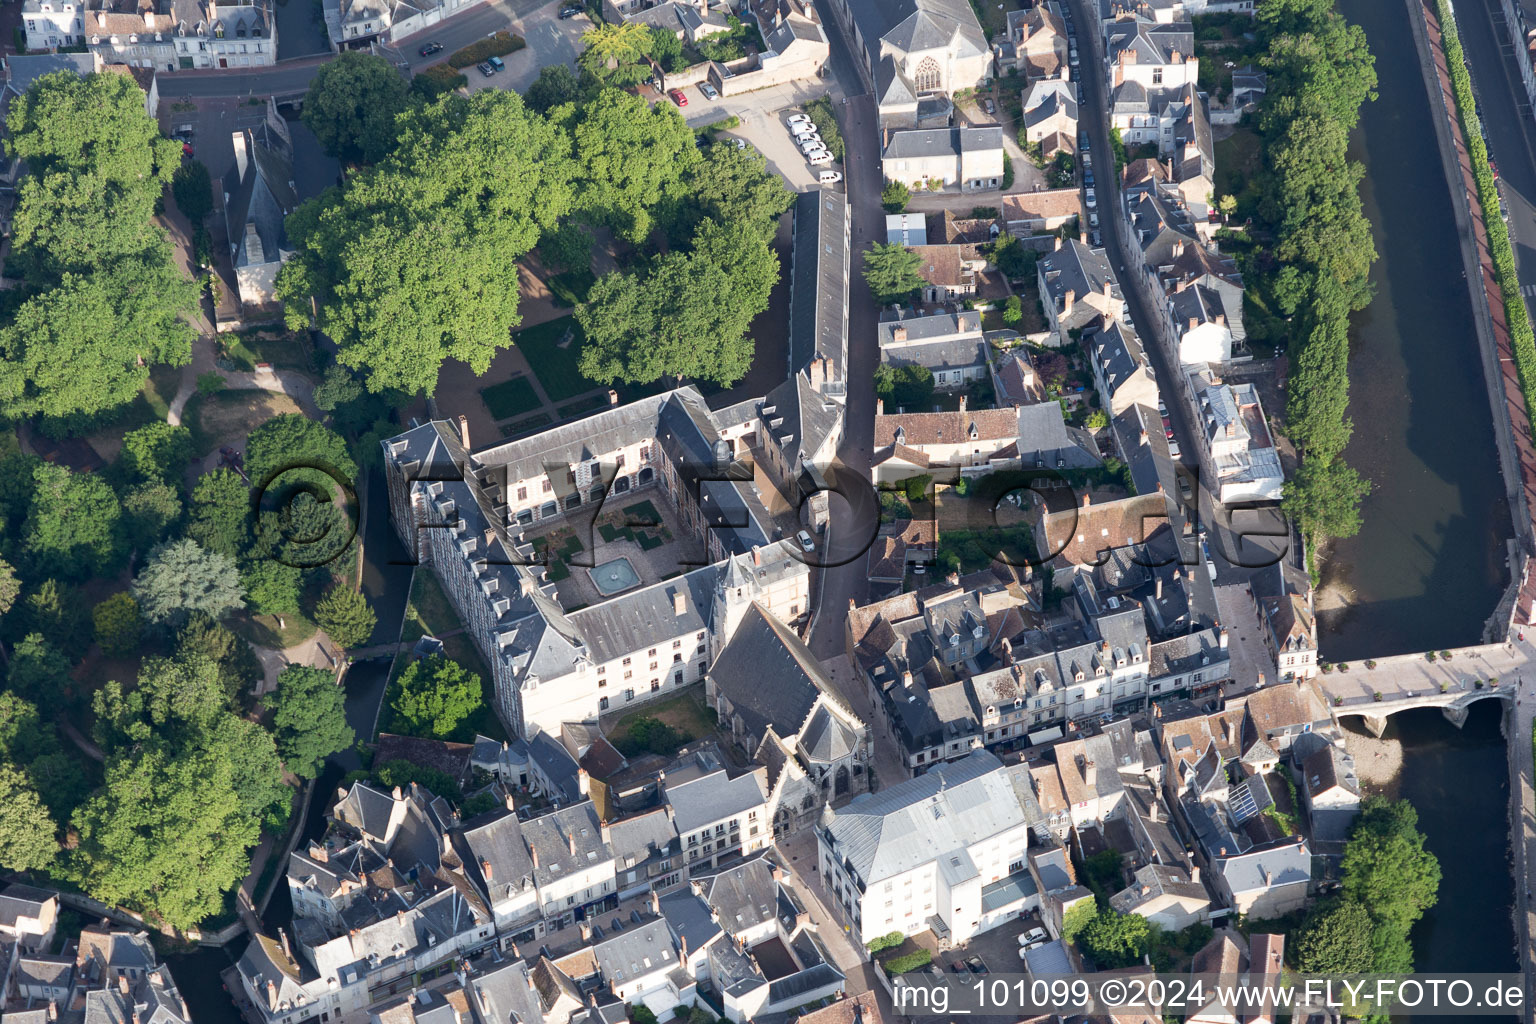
{"x":954,"y":640}
{"x":979,"y":632}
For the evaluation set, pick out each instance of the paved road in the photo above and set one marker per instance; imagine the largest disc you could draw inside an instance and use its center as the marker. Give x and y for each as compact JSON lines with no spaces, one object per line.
{"x":283,"y":78}
{"x":853,"y":524}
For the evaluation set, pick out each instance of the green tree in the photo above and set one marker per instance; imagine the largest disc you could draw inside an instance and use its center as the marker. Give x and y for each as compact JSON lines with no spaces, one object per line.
{"x":1386,"y":868}
{"x":1115,"y":940}
{"x":61,"y":782}
{"x":24,"y":736}
{"x":895,"y":196}
{"x":28,"y":834}
{"x":631,"y":157}
{"x":119,"y":626}
{"x":1335,"y":939}
{"x":907,"y":386}
{"x":181,"y":577}
{"x":734,"y":186}
{"x":568,"y":247}
{"x":272,"y":587}
{"x":292,"y":442}
{"x":338,"y":387}
{"x":38,"y":672}
{"x":352,"y":104}
{"x":308,"y":718}
{"x":1013,"y":311}
{"x":686,"y":315}
{"x":165,"y":834}
{"x":642,"y":1014}
{"x":1324,"y":497}
{"x":221,"y":513}
{"x":87,"y":344}
{"x":10,"y":587}
{"x":1077,"y":918}
{"x":666,"y":50}
{"x":614,"y":55}
{"x":410,"y":261}
{"x":555,"y":86}
{"x":157,"y":451}
{"x":202,"y":636}
{"x":71,"y":528}
{"x":55,"y":611}
{"x":1012,"y":258}
{"x":435,"y":695}
{"x":95,"y":124}
{"x":193,"y":188}
{"x":151,"y":511}
{"x":257,"y":772}
{"x":892,"y":272}
{"x":345,"y":616}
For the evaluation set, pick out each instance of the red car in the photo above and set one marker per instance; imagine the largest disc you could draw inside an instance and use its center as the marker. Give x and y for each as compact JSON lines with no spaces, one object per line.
{"x":678,"y":97}
{"x":1168,"y":427}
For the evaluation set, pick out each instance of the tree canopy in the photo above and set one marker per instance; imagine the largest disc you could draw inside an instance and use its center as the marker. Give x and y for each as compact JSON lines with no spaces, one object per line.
{"x":221,"y":513}
{"x":1335,"y":939}
{"x":180,"y":578}
{"x":71,"y":527}
{"x":308,"y":718}
{"x":28,"y":840}
{"x":352,"y":104}
{"x":345,"y":616}
{"x":435,"y":695}
{"x":891,"y":271}
{"x":631,"y":157}
{"x":687,"y":314}
{"x":411,"y":261}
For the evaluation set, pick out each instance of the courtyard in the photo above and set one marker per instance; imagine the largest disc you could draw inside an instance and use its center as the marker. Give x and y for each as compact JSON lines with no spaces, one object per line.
{"x":641,"y":530}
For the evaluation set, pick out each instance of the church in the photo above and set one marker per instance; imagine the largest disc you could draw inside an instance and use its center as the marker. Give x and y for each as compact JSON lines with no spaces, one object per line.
{"x":916,"y":54}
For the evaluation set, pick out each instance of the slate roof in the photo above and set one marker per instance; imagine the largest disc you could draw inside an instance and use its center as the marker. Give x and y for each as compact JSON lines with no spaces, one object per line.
{"x":1043,"y":429}
{"x":636,"y":952}
{"x":922,"y":143}
{"x":261,"y":198}
{"x":762,"y":647}
{"x":691,"y":919}
{"x":553,"y":835}
{"x":495,"y":856}
{"x":933,"y":817}
{"x":18,"y":901}
{"x":743,"y":896}
{"x":907,"y":25}
{"x":1284,"y":865}
{"x":1156,"y":880}
{"x":1049,"y":99}
{"x":713,"y":798}
{"x":818,"y":298}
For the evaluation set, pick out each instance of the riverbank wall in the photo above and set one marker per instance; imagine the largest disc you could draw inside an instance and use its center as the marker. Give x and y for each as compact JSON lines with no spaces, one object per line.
{"x":1517,"y":462}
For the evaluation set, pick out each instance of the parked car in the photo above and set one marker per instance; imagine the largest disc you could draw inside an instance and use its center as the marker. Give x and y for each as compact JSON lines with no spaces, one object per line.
{"x":957,"y":967}
{"x":1092,"y":199}
{"x":497,"y":63}
{"x":975,"y":965}
{"x":806,"y":543}
{"x":811,"y":145}
{"x":820,"y":158}
{"x":678,"y":97}
{"x":1088,"y":176}
{"x":1184,"y":488}
{"x":1093,"y":219}
{"x":798,"y":128}
{"x":798,"y":119}
{"x":1168,"y":428}
{"x":430,"y":49}
{"x":1082,"y":141}
{"x":1096,"y":238}
{"x":486,"y":68}
{"x":1033,"y":935}
{"x":570,"y":11}
{"x":1173,"y":449}
{"x":709,"y":91}
{"x":1162,"y":407}
{"x":829,"y":177}
{"x":989,"y":106}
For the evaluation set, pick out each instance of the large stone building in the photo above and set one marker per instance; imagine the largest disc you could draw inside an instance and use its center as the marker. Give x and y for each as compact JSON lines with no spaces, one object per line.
{"x":915,"y":53}
{"x":170,"y":35}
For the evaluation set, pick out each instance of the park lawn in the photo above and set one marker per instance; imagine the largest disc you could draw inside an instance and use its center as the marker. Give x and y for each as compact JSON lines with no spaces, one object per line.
{"x":558,"y":369}
{"x":1237,"y":161}
{"x":428,"y":613}
{"x":226,"y":417}
{"x":264,"y":631}
{"x":686,"y":712}
{"x":510,"y":398}
{"x":282,"y":349}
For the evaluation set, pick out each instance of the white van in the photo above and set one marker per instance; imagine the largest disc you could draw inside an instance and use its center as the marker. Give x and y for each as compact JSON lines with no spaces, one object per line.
{"x":819,"y":159}
{"x":829,"y":177}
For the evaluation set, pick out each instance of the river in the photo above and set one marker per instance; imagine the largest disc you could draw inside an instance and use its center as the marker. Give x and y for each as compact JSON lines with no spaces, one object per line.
{"x":1427,"y":567}
{"x":1458,"y":780}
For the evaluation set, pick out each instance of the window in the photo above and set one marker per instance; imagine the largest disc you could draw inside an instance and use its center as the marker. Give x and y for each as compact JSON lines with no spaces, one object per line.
{"x":653,"y":664}
{"x":928,"y":76}
{"x":655,"y":685}
{"x":629,"y":695}
{"x":676,"y":658}
{"x":677,"y":645}
{"x":1157,"y":76}
{"x":602,"y":703}
{"x":629,"y":674}
{"x":626,"y":661}
{"x":602,"y":670}
{"x":652,"y":652}
{"x":700,"y":638}
{"x":545,"y":483}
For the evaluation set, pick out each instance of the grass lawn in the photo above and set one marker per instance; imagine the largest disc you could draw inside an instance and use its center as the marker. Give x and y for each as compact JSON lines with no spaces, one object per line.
{"x":264,"y":631}
{"x":283,"y":350}
{"x":512,"y":397}
{"x":686,"y":712}
{"x":229,"y":416}
{"x":163,"y":382}
{"x":994,"y":15}
{"x":428,"y":611}
{"x":558,"y":368}
{"x":1237,"y":160}
{"x":525,"y":425}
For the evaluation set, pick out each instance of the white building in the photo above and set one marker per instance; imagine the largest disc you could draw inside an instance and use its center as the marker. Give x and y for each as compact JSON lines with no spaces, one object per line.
{"x":1237,"y":453}
{"x":926,"y":853}
{"x":170,"y":35}
{"x":971,"y":158}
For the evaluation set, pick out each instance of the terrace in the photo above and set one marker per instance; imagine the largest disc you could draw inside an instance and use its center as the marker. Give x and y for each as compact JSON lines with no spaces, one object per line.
{"x":645,"y":534}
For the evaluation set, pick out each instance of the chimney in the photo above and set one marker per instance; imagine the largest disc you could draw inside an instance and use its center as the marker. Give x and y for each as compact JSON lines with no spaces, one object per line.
{"x":533,"y":855}
{"x":271,"y":985}
{"x":511,"y":805}
{"x":570,"y":840}
{"x":1178,"y":248}
{"x":757,"y":556}
{"x":899,"y":332}
{"x":1221,"y":319}
{"x":319,"y":853}
{"x":1146,"y":890}
{"x":1007,"y":651}
{"x":679,"y":602}
{"x":1090,"y":774}
{"x":613,"y":397}
{"x":1106,"y":288}
{"x":1152,"y":810}
{"x":1222,"y":642}
{"x":906,"y":679}
{"x":1087,"y":500}
{"x":464,"y":431}
{"x":586,"y":931}
{"x":606,"y":831}
{"x":655,"y":903}
{"x":1127,"y":57}
{"x":1265,"y":872}
{"x":879,"y":407}
{"x":397,"y":794}
{"x":1157,"y":589}
{"x":1068,"y":301}
{"x":1261,"y":680}
{"x":583,"y":786}
{"x":1175,"y":58}
{"x":962,"y":403}
{"x":242,"y":154}
{"x":53,"y":1010}
{"x":122,"y":983}
{"x":852,"y":604}
{"x":485,"y":869}
{"x":818,"y":373}
{"x":1056,"y":246}
{"x":682,"y":948}
{"x":1194,"y":322}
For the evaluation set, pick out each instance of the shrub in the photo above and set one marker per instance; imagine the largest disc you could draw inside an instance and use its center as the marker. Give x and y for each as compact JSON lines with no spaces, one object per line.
{"x":118,"y":625}
{"x":825,"y":120}
{"x":895,"y":196}
{"x":1007,"y":171}
{"x":438,"y":79}
{"x":1477,"y":684}
{"x":887,"y":941}
{"x":1369,"y":663}
{"x":1013,"y":312}
{"x":917,"y":486}
{"x":1445,"y":655}
{"x":1338,"y":702}
{"x":1343,"y":666}
{"x":910,"y":962}
{"x":498,"y":45}
{"x":1445,"y":687}
{"x":210,"y":383}
{"x":1376,"y":696}
{"x":1429,"y":655}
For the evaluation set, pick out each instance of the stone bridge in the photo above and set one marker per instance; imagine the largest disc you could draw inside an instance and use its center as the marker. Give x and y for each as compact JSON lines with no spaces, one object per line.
{"x":1452,"y":681}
